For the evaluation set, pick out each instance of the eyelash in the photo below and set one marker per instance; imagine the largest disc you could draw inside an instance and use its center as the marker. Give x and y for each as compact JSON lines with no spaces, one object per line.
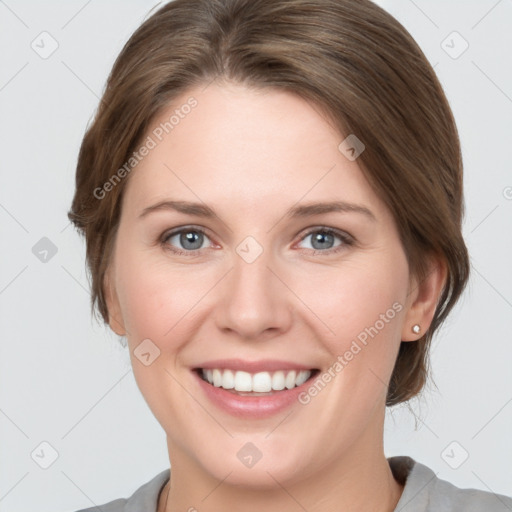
{"x":346,"y":239}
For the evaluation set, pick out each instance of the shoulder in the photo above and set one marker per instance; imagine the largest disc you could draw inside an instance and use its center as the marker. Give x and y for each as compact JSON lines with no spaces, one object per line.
{"x":112,"y":506}
{"x":425,"y":492}
{"x":144,"y":498}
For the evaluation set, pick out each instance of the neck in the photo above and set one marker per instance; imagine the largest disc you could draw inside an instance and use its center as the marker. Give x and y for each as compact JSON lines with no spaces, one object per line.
{"x":358,"y":480}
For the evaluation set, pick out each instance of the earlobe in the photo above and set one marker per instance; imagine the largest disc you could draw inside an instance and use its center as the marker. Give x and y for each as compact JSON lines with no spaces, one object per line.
{"x":115,"y":319}
{"x":423,"y":299}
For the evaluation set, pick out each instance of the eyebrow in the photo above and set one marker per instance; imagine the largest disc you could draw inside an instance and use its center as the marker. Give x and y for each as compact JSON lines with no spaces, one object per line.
{"x":303,"y":210}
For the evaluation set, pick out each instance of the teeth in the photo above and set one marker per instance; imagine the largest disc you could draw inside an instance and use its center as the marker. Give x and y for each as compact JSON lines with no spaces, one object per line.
{"x":243,"y":381}
{"x":302,"y":377}
{"x":228,"y":379}
{"x":261,"y":382}
{"x":289,"y":381}
{"x":217,"y":378}
{"x":278,"y":381}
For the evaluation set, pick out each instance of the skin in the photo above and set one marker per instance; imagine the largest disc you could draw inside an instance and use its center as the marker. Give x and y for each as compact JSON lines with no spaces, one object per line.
{"x":250,"y":155}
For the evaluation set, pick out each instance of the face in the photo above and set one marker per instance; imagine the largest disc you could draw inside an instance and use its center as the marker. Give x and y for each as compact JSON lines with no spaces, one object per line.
{"x":255,"y":284}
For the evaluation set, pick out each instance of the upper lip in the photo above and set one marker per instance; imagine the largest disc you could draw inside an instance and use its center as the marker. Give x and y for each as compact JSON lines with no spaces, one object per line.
{"x":263,"y":365}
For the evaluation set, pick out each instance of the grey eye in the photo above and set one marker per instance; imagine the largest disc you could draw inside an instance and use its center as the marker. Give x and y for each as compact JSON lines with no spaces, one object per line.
{"x":187,"y":239}
{"x":322,"y":239}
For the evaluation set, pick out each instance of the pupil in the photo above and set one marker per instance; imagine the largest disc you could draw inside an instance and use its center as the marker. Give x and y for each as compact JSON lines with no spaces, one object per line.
{"x":322,"y":238}
{"x":191,"y":237}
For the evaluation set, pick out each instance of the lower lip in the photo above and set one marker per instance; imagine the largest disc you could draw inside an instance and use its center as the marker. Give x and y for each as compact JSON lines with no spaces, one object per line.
{"x":254,"y":406}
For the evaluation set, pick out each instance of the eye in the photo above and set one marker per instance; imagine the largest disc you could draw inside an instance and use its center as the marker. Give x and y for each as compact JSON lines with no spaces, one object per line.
{"x":187,"y":241}
{"x":323,"y":239}
{"x":190,"y":240}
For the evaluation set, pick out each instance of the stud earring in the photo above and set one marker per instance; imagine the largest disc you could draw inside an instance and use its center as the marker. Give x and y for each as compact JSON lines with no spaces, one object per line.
{"x":416,"y":329}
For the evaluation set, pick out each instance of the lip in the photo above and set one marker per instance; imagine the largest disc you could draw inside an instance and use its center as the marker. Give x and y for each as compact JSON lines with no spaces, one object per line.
{"x":252,"y":407}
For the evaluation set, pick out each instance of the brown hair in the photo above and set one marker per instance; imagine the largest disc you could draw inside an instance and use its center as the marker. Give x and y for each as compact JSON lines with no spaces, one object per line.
{"x":350,"y":58}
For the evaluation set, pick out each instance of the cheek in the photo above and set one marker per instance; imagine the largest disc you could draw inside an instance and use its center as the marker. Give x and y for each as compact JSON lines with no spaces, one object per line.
{"x":358,"y":299}
{"x":153,"y":296}
{"x":363,"y":304}
{"x":157,"y":303}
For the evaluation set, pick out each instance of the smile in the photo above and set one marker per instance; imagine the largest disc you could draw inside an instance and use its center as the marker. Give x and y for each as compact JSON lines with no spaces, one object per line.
{"x":261,"y":382}
{"x":253,"y":389}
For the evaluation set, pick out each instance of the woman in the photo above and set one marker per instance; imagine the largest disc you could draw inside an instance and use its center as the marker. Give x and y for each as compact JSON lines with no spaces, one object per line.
{"x":234,"y":139}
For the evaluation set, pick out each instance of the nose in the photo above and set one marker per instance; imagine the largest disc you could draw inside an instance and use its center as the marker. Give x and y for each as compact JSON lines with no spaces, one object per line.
{"x":253,"y":301}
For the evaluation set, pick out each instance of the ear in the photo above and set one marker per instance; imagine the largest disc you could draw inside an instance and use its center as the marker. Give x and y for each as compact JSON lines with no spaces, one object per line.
{"x":115,"y":318}
{"x":422,"y":299}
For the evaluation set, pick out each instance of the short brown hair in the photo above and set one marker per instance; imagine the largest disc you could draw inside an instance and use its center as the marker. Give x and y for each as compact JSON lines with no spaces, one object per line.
{"x":351,"y":59}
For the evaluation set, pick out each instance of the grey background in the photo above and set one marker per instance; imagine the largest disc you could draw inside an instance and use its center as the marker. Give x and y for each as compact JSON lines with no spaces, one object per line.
{"x":67,"y":381}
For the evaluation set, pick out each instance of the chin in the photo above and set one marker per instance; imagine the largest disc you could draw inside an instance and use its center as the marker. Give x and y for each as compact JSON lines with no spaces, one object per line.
{"x":271,"y":469}
{"x":260,"y":477}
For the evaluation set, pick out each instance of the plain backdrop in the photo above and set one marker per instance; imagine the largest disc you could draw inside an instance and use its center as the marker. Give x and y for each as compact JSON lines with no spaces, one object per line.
{"x":66,"y":381}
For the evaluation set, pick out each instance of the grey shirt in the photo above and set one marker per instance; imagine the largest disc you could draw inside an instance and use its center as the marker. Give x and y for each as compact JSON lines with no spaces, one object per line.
{"x":423,"y":492}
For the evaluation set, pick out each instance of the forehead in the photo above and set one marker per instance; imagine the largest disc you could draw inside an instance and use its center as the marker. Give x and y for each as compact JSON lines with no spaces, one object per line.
{"x":251,"y":148}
